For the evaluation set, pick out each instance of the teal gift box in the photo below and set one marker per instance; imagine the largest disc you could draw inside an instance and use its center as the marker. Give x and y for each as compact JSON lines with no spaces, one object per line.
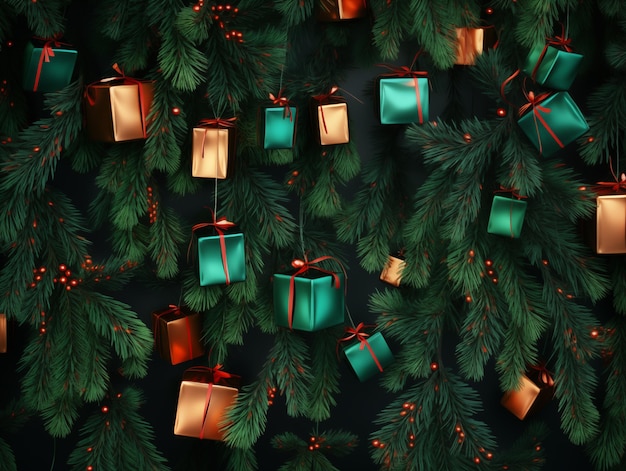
{"x":369,"y":356}
{"x":214,"y":266}
{"x":47,"y":68}
{"x":403,"y":100}
{"x":279,"y":127}
{"x":317,"y":302}
{"x":506,"y":217}
{"x":553,"y":122}
{"x":552,"y":67}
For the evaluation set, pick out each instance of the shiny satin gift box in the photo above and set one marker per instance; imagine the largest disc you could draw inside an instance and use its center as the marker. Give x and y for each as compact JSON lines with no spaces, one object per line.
{"x":338,"y":10}
{"x":117,"y":109}
{"x":536,"y":390}
{"x":506,"y":217}
{"x":472,"y":42}
{"x":177,"y":333}
{"x":221,"y":254}
{"x":318,"y":300}
{"x":392,"y":272}
{"x":552,"y":121}
{"x":610,"y":224}
{"x":403,"y":100}
{"x":49,"y":67}
{"x":213,"y":148}
{"x":203,"y":400}
{"x":278,"y":127}
{"x":552,"y":67}
{"x":368,"y":356}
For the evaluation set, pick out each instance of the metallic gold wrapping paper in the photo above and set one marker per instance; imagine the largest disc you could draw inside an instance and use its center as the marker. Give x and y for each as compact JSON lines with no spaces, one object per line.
{"x":332,"y":120}
{"x":392,"y":273}
{"x":116,"y":111}
{"x":472,"y":42}
{"x":3,"y":333}
{"x":190,"y":416}
{"x":210,"y":152}
{"x":177,"y":334}
{"x":528,"y":399}
{"x":611,"y":224}
{"x":337,"y":10}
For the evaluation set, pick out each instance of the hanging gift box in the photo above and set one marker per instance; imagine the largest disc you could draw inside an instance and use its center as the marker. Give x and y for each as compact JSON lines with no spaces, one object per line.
{"x":392,"y":272}
{"x":117,"y":109}
{"x":309,"y":298}
{"x":177,"y":333}
{"x":552,"y":121}
{"x":368,"y":355}
{"x":506,"y":217}
{"x":3,"y":333}
{"x":610,"y":224}
{"x":277,"y":124}
{"x":213,"y":148}
{"x":403,"y":96}
{"x":553,"y":65}
{"x":472,"y":42}
{"x":330,"y":115}
{"x":204,"y":397}
{"x":338,"y":10}
{"x":221,"y":253}
{"x":48,"y":67}
{"x":535,"y":391}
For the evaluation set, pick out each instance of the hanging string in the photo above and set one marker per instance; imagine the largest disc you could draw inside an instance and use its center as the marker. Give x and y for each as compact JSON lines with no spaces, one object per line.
{"x":617,"y":152}
{"x":349,"y":316}
{"x":301,"y":224}
{"x":566,"y":35}
{"x":54,"y":453}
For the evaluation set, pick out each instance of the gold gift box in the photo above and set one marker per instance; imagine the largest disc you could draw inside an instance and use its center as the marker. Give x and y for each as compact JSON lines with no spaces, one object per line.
{"x":202,"y":408}
{"x":210,"y":152}
{"x":337,"y":10}
{"x":610,"y":230}
{"x":529,"y":398}
{"x":177,"y":334}
{"x":471,"y":42}
{"x":3,"y":333}
{"x":116,"y":110}
{"x":332,"y":119}
{"x":392,"y":272}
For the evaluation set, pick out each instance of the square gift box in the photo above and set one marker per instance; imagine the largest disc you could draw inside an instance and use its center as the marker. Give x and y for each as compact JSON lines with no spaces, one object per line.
{"x":369,"y":356}
{"x":610,"y":224}
{"x":552,"y":67}
{"x":403,"y":100}
{"x":177,"y":334}
{"x":215,"y":265}
{"x":48,"y":67}
{"x":472,"y":42}
{"x":278,"y":127}
{"x":506,"y":217}
{"x":338,"y":10}
{"x":392,"y":272}
{"x":330,"y":119}
{"x":536,"y":389}
{"x":213,"y":149}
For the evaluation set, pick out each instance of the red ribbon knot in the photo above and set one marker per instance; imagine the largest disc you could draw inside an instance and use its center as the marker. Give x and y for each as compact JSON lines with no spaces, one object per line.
{"x":283,"y":101}
{"x":534,"y":103}
{"x":220,"y":225}
{"x":358,"y":334}
{"x":544,"y":376}
{"x":47,"y":52}
{"x":404,"y":71}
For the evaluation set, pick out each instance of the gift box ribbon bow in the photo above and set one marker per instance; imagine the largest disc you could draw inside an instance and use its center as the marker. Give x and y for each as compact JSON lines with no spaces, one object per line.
{"x":534,"y":102}
{"x":220,"y":226}
{"x":283,"y":101}
{"x":173,"y":308}
{"x":361,"y":336}
{"x":404,"y":71}
{"x":218,"y":123}
{"x":322,"y":99}
{"x":302,"y":266}
{"x":47,"y":52}
{"x":615,"y":187}
{"x":559,"y":41}
{"x":544,"y":377}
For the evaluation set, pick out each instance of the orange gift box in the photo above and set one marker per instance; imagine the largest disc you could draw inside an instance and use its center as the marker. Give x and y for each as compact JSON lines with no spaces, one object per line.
{"x":338,"y":10}
{"x":472,"y":42}
{"x":392,"y":272}
{"x":531,"y":396}
{"x":177,"y":334}
{"x":3,"y":333}
{"x":213,"y":145}
{"x":610,"y":224}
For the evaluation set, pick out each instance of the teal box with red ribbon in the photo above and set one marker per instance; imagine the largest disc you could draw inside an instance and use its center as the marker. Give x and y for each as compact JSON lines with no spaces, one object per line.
{"x":221,"y":253}
{"x":368,"y":355}
{"x":177,"y":334}
{"x":403,"y":99}
{"x":278,"y":127}
{"x":309,"y":300}
{"x":552,"y":121}
{"x":49,"y":67}
{"x":506,"y":217}
{"x":552,"y":67}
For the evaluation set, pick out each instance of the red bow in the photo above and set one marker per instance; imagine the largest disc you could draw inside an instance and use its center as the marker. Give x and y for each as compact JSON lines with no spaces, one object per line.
{"x":615,"y":186}
{"x":324,"y":98}
{"x":534,"y":102}
{"x":357,"y":333}
{"x":559,"y":41}
{"x":47,"y":52}
{"x":543,"y":375}
{"x":281,"y":100}
{"x":513,"y":192}
{"x":220,"y":225}
{"x":220,"y":122}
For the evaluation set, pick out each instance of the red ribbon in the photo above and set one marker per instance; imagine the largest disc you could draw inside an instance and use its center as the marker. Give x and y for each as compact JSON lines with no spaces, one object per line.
{"x":326,"y":97}
{"x":172,"y":308}
{"x":514,"y":193}
{"x":534,"y":102}
{"x":283,"y":101}
{"x":559,"y":41}
{"x":404,"y":71}
{"x":46,"y":53}
{"x":302,"y":266}
{"x":219,"y":225}
{"x":543,"y":375}
{"x":216,"y":123}
{"x":357,"y":333}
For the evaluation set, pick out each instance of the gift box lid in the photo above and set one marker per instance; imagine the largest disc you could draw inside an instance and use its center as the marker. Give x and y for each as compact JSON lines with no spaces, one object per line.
{"x":215,"y":375}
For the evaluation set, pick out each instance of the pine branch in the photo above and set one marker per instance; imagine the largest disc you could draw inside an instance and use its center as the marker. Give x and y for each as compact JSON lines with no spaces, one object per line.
{"x":325,"y":375}
{"x":7,"y":459}
{"x":199,"y":298}
{"x":294,"y":13}
{"x":45,"y":19}
{"x":226,"y":325}
{"x":166,"y":236}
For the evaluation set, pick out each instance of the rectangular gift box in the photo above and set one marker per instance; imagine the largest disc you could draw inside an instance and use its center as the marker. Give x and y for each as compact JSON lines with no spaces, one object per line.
{"x":553,"y":123}
{"x":202,"y":406}
{"x":210,"y":260}
{"x":50,"y":70}
{"x":506,"y":217}
{"x":403,"y":100}
{"x":278,"y":130}
{"x":392,"y":272}
{"x":3,"y":333}
{"x":530,"y":398}
{"x":361,"y":360}
{"x":212,"y":149}
{"x":472,"y":42}
{"x":557,"y":68}
{"x":117,"y":109}
{"x":337,"y":10}
{"x":610,"y":224}
{"x":317,"y":303}
{"x":331,"y":121}
{"x":177,"y":334}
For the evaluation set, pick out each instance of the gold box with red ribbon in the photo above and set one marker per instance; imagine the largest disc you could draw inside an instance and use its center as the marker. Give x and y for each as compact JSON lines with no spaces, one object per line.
{"x":330,"y":118}
{"x":204,"y":397}
{"x":213,"y":148}
{"x":392,"y":272}
{"x":177,"y":334}
{"x":48,"y":67}
{"x":535,"y":390}
{"x":472,"y":42}
{"x":339,"y":10}
{"x":3,"y":333}
{"x":367,"y":355}
{"x":609,"y":236}
{"x":117,"y":109}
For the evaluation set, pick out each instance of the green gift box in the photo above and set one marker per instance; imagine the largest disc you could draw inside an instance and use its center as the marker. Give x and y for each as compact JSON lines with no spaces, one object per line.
{"x":368,"y":356}
{"x":279,"y":126}
{"x":552,"y":67}
{"x":48,"y":68}
{"x":318,"y":302}
{"x":553,"y":122}
{"x":221,"y":255}
{"x":506,"y":217}
{"x":403,"y":100}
